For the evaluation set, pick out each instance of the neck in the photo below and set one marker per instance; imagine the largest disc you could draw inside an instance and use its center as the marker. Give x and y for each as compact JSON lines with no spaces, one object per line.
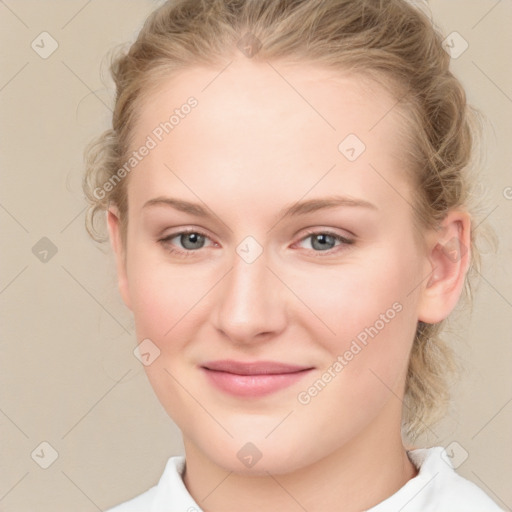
{"x":357,"y":476}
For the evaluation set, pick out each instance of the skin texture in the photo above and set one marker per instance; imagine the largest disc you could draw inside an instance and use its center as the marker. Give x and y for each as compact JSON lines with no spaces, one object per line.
{"x":256,"y":144}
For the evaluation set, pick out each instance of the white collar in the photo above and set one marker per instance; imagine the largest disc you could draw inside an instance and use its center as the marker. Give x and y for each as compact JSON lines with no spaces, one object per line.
{"x":436,"y":488}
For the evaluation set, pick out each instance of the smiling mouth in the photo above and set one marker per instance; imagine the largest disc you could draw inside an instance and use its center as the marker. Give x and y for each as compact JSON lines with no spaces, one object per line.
{"x":253,"y":379}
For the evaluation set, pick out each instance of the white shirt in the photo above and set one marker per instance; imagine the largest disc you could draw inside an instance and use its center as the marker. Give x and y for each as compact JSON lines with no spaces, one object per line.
{"x":436,"y":488}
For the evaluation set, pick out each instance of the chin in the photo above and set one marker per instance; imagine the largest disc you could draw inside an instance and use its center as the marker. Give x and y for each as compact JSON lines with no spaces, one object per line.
{"x":256,"y":456}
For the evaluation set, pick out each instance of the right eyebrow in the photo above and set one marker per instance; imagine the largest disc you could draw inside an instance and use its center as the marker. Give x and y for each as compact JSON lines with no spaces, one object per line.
{"x":178,"y":204}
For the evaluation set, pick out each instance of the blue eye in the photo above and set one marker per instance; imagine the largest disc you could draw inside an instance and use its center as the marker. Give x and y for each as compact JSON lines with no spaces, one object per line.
{"x":185,"y":243}
{"x":189,"y":242}
{"x":325,"y":241}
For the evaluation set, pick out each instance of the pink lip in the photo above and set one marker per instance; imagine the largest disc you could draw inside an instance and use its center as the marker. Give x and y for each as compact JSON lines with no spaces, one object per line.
{"x":253,"y":379}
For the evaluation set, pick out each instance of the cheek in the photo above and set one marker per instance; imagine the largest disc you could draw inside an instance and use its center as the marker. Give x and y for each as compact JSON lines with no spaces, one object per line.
{"x":346,"y":299}
{"x":167,"y":306}
{"x":164,"y":297}
{"x":364,"y":368}
{"x":368,"y":318}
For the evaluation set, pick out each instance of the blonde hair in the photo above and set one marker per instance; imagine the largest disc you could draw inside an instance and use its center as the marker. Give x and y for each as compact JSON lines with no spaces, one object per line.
{"x":391,"y":41}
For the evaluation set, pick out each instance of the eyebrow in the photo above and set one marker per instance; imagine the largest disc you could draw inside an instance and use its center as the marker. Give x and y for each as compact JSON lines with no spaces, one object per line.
{"x":295,"y":209}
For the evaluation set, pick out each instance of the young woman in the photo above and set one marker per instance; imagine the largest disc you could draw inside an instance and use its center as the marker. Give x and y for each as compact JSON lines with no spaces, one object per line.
{"x":287,"y":194}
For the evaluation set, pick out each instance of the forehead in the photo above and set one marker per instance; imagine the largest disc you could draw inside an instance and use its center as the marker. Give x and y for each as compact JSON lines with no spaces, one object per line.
{"x":262,"y":123}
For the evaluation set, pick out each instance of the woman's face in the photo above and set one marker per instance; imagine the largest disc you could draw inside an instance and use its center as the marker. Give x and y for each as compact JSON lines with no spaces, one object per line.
{"x":285,"y":318}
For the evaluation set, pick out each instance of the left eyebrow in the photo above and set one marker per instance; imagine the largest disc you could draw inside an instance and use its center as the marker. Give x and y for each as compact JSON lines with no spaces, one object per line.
{"x":313,"y":205}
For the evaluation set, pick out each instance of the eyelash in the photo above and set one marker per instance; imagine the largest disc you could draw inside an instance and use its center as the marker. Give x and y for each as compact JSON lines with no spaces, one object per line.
{"x":178,"y":252}
{"x":187,"y":253}
{"x":343,"y":242}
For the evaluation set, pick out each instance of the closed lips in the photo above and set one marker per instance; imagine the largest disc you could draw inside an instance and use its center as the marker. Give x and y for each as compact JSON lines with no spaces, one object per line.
{"x":252,"y":380}
{"x":254,"y":368}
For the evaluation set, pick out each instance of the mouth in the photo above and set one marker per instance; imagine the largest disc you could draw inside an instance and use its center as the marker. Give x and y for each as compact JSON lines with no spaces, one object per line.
{"x":252,"y":379}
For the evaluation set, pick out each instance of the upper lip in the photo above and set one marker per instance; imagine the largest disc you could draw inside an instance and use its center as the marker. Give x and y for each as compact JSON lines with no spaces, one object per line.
{"x":254,"y":368}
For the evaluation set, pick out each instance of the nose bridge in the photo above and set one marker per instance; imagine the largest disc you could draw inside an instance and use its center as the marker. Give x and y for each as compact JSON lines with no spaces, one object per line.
{"x":250,"y":301}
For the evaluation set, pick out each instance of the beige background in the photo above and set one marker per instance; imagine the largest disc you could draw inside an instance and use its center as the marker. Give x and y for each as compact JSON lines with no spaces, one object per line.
{"x":68,"y":374}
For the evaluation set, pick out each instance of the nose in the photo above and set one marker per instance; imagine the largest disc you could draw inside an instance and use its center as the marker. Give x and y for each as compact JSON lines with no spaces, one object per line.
{"x":250,"y":303}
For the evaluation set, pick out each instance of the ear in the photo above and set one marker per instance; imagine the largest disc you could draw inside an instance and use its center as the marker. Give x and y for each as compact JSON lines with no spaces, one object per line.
{"x":114,"y":230}
{"x":448,"y":259}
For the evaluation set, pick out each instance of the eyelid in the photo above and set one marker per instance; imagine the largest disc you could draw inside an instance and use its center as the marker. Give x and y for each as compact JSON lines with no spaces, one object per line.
{"x":183,"y":231}
{"x":326,"y":231}
{"x":165,"y":241}
{"x":344,"y":241}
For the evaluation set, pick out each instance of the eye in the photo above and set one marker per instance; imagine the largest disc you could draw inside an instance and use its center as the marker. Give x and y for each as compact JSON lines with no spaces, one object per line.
{"x":185,"y":242}
{"x":188,"y":242}
{"x":323,"y":241}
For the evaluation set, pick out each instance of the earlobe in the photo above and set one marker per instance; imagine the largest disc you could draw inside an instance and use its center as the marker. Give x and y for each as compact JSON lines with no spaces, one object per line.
{"x":114,"y":230}
{"x":448,"y":258}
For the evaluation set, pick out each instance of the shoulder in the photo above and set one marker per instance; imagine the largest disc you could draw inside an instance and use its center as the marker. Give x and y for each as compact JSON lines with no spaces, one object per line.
{"x":141,"y":502}
{"x":170,"y":491}
{"x":437,"y":488}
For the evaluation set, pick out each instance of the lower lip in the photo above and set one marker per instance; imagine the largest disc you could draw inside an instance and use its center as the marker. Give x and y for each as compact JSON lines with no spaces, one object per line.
{"x":252,"y":385}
